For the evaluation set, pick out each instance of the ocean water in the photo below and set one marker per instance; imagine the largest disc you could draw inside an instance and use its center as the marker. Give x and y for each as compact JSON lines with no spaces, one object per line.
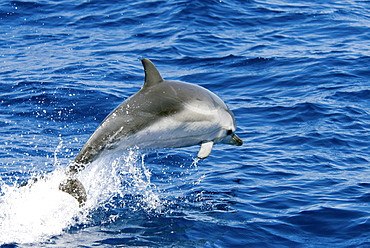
{"x":296,"y":74}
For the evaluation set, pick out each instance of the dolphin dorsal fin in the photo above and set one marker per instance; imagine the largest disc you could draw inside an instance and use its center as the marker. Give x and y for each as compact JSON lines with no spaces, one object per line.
{"x":152,"y":76}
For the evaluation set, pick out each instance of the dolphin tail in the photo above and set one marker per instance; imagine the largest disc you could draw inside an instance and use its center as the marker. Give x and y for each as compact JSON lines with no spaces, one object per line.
{"x":71,"y":186}
{"x":30,"y":182}
{"x":75,"y":188}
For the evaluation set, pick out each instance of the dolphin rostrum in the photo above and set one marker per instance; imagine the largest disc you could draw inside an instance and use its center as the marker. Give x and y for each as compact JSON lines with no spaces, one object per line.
{"x":162,"y":114}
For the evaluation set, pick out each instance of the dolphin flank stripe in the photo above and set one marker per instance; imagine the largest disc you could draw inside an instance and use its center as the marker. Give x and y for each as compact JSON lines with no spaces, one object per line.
{"x":162,"y":114}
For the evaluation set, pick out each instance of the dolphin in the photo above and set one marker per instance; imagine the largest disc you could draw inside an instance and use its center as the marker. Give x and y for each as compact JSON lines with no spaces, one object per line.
{"x":162,"y":114}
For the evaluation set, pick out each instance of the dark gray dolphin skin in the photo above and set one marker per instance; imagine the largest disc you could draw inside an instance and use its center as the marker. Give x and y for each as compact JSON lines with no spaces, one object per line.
{"x":162,"y":114}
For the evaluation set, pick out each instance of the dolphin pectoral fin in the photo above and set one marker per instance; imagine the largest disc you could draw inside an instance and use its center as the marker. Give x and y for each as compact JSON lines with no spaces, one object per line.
{"x":205,"y":149}
{"x":75,"y":188}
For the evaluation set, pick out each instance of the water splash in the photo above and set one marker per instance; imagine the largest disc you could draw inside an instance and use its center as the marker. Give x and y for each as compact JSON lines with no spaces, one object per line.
{"x":34,"y":214}
{"x":120,"y":176}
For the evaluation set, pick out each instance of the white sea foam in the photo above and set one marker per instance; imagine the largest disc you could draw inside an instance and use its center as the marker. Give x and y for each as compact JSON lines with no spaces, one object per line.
{"x":33,"y":214}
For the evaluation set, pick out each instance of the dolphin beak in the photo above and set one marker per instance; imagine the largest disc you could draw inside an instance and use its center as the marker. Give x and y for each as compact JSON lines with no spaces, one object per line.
{"x":232,"y":139}
{"x":235,"y":140}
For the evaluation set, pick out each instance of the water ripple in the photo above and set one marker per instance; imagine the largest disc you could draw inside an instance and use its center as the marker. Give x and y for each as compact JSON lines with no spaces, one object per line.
{"x":294,"y":74}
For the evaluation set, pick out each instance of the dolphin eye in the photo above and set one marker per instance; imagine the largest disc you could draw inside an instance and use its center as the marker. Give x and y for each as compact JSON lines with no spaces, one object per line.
{"x":229,"y":132}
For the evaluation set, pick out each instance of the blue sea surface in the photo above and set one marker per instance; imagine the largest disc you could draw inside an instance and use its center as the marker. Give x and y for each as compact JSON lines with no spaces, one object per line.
{"x":296,"y":75}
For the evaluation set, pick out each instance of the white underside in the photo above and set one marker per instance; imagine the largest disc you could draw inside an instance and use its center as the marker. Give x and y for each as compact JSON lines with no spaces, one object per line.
{"x":170,"y":133}
{"x":195,"y":124}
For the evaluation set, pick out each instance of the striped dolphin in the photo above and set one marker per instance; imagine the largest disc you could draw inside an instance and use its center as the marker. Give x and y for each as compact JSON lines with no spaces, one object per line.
{"x":162,"y":114}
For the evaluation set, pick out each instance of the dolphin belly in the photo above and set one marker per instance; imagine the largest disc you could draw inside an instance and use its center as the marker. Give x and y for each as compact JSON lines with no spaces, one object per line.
{"x":168,"y":132}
